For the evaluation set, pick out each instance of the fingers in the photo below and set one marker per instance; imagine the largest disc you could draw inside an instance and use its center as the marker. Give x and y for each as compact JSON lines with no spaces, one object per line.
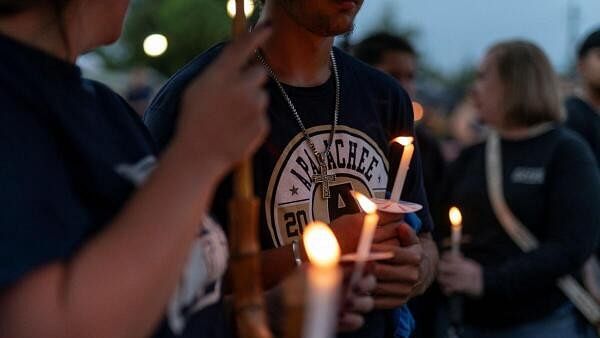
{"x":350,"y":322}
{"x":391,"y":242}
{"x":385,"y":232}
{"x":362,"y":304}
{"x":448,"y":284}
{"x":237,"y":53}
{"x":387,"y":303}
{"x":366,"y":285}
{"x":261,"y":129}
{"x":412,"y":255}
{"x":387,"y":217}
{"x":396,"y":290}
{"x":407,"y":235}
{"x":392,"y":273}
{"x":255,"y":76}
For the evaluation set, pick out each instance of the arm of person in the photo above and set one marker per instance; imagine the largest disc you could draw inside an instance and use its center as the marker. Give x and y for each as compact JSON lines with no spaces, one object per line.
{"x":118,"y":283}
{"x":131,"y":268}
{"x":573,"y":224}
{"x":279,"y":263}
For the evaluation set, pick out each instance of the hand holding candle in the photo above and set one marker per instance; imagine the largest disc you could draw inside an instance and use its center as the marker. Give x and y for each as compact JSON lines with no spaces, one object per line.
{"x":456,"y":220}
{"x":407,"y":154}
{"x":324,"y":279}
{"x":366,"y":237}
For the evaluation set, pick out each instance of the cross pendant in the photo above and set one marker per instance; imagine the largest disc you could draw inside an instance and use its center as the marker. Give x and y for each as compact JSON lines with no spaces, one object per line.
{"x":323,"y":178}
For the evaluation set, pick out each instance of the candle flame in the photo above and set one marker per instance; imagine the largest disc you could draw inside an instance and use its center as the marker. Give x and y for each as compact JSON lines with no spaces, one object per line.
{"x":403,"y":140}
{"x":321,"y":245}
{"x":365,"y":203}
{"x":455,"y":217}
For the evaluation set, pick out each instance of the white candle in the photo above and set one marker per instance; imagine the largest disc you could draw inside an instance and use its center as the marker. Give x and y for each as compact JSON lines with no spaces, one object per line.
{"x":407,"y":154}
{"x":456,"y":221}
{"x":324,"y":279}
{"x":366,"y":237}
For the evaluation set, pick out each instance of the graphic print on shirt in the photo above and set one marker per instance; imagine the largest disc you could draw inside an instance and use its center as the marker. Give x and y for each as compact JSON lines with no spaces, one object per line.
{"x":293,"y":198}
{"x":528,"y":175}
{"x":200,"y":282}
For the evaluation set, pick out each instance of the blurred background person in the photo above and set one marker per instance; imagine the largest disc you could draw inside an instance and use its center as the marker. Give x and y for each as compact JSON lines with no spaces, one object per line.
{"x":552,"y":186}
{"x":584,"y":109}
{"x":395,"y":56}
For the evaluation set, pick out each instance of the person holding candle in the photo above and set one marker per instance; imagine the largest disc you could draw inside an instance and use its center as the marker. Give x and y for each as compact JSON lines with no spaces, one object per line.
{"x":550,"y":183}
{"x":89,"y":246}
{"x":333,"y":118}
{"x":396,"y":56}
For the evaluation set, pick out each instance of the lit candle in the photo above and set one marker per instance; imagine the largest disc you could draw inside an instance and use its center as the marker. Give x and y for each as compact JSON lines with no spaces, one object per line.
{"x":407,"y":154}
{"x":456,"y":220}
{"x":324,"y":279}
{"x":366,"y":237}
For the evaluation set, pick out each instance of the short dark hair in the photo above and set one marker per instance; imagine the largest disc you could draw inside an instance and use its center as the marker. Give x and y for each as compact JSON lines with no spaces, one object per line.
{"x":591,"y":41}
{"x":371,"y":49}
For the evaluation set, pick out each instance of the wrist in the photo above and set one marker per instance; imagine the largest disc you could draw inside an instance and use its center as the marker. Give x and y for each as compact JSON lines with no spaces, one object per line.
{"x":478,"y":281}
{"x":296,"y":252}
{"x":426,"y":275}
{"x":196,"y":160}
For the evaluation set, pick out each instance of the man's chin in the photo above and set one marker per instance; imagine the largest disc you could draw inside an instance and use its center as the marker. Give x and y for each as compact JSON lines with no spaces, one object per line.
{"x":340,"y":29}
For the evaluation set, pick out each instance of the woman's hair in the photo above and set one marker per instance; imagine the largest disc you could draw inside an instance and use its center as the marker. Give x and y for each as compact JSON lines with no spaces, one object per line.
{"x":531,"y":90}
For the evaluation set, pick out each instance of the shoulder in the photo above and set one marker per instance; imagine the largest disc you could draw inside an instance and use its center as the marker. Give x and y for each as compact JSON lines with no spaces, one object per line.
{"x":105,"y":95}
{"x":366,"y":74}
{"x":162,"y":113}
{"x":575,"y":104}
{"x":578,"y":112}
{"x":390,"y":101}
{"x":177,"y":83}
{"x":570,"y":145}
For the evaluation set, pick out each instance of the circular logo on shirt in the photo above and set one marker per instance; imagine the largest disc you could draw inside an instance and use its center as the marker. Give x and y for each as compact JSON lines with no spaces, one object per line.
{"x":295,"y":193}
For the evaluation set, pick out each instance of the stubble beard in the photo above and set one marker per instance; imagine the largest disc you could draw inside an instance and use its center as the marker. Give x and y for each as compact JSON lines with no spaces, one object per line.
{"x":317,"y":24}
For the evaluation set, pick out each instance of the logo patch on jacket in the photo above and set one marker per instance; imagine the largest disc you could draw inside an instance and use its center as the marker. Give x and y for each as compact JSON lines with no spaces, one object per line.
{"x":528,"y":175}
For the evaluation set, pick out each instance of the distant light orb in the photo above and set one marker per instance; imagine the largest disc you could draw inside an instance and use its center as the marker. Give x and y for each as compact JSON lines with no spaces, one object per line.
{"x":417,"y":110}
{"x":248,"y":8}
{"x":155,"y":45}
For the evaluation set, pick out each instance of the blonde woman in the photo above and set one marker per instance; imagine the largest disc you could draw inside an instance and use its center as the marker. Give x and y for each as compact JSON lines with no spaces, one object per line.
{"x":550,"y":184}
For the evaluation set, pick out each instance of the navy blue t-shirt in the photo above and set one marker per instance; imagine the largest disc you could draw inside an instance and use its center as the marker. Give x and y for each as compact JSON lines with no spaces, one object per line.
{"x":69,"y":148}
{"x":72,"y":154}
{"x":373,"y":110}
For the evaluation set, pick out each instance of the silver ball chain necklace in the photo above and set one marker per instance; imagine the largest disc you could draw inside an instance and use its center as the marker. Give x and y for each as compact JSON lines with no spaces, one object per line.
{"x":323,"y":176}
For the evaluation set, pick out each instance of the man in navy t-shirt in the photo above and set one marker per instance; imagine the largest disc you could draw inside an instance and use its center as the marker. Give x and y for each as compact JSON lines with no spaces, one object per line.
{"x":332,"y":120}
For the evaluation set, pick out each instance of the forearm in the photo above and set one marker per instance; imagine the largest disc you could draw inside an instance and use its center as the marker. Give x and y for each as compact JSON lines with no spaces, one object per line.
{"x":135,"y":265}
{"x":118,"y":284}
{"x":428,"y":264}
{"x":278,"y":263}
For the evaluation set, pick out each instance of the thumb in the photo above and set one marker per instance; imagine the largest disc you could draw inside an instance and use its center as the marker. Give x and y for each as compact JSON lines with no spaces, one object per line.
{"x":237,"y":53}
{"x":407,"y":235}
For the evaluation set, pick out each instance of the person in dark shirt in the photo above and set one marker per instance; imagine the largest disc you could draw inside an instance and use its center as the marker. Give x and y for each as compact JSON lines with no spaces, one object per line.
{"x":83,"y":252}
{"x":552,"y":186}
{"x":395,"y":56}
{"x":316,"y":89}
{"x":584,"y":110}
